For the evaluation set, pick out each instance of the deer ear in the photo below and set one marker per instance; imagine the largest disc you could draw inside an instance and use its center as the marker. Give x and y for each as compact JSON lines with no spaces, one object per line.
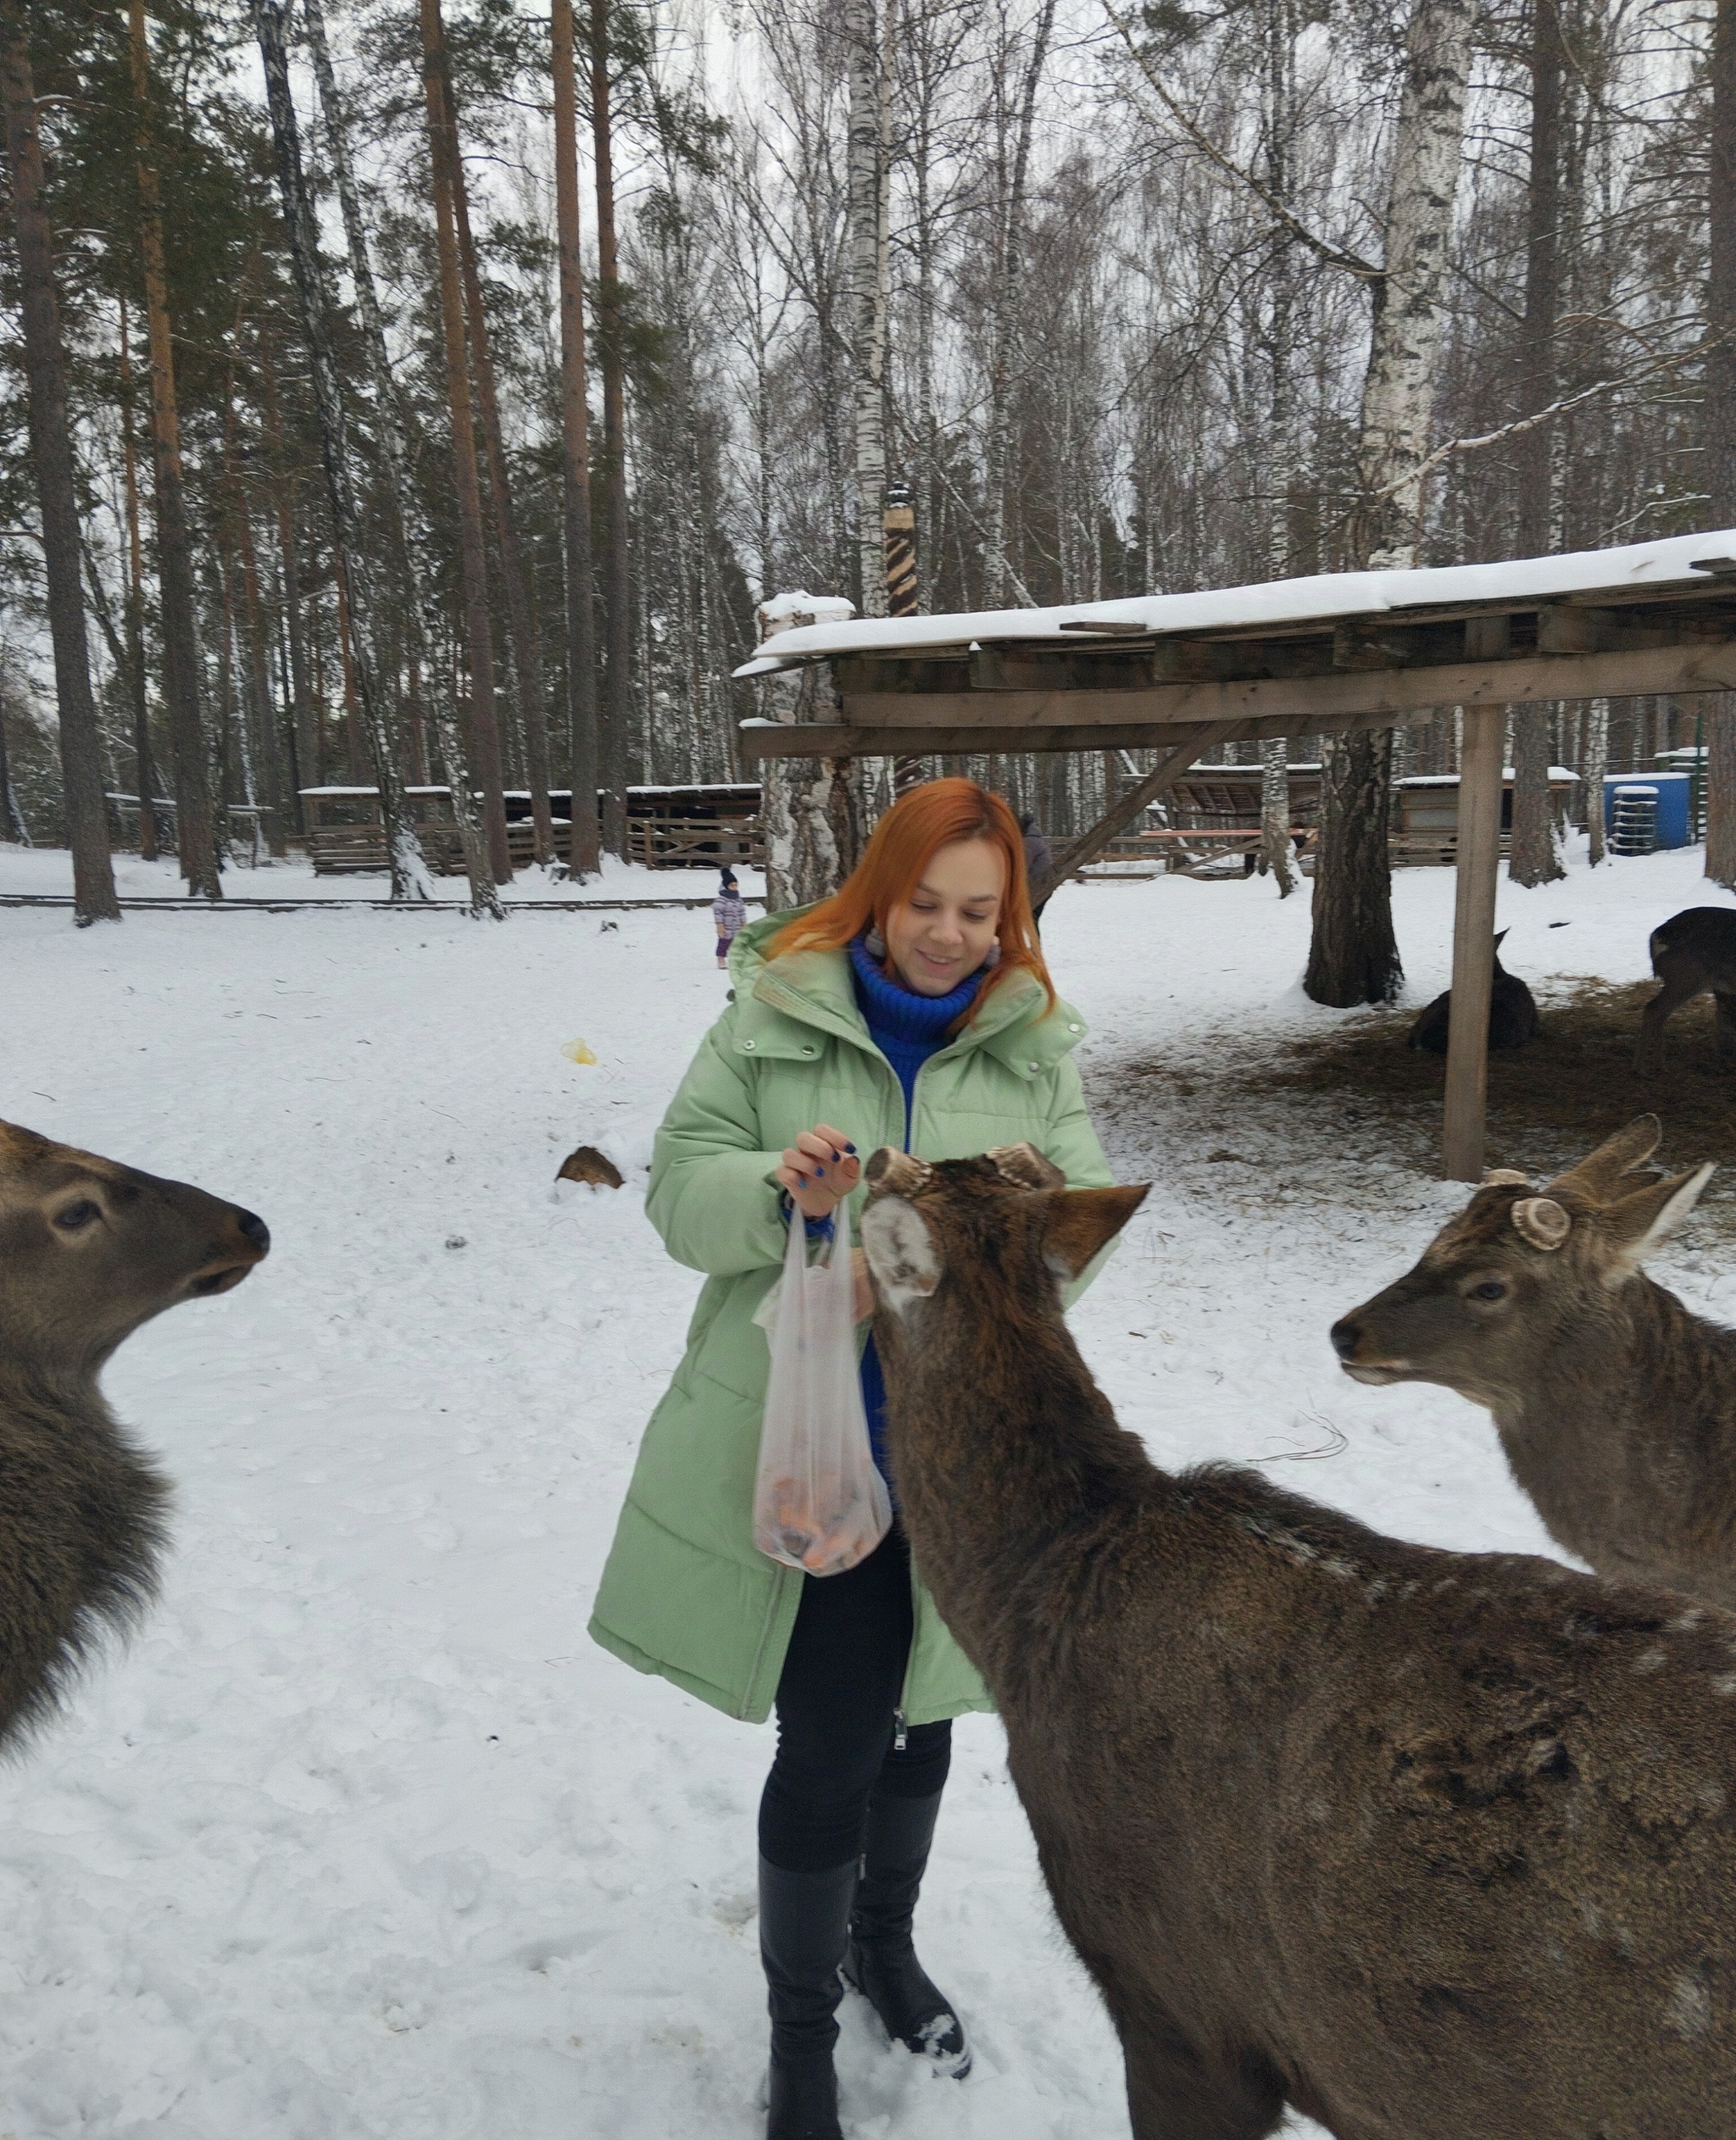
{"x":903,"y":1254}
{"x":1640,"y":1222}
{"x":1598,"y":1172}
{"x":1081,"y":1222}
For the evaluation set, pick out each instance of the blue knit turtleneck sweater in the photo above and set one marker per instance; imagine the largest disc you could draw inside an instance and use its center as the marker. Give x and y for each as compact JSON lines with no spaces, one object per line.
{"x":907,"y":1029}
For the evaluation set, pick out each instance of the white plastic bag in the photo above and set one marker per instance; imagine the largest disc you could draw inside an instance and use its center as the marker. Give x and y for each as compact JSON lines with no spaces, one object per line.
{"x":819,"y":1504}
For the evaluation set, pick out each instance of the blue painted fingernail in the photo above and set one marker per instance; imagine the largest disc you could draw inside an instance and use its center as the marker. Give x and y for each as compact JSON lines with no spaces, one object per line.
{"x":849,"y":1147}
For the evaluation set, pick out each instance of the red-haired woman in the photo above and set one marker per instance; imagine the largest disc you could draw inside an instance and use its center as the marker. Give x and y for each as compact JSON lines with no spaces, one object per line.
{"x":911,"y":1009}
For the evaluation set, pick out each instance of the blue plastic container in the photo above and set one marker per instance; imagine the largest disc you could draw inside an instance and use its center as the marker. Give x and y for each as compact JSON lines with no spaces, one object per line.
{"x":1673,"y":815}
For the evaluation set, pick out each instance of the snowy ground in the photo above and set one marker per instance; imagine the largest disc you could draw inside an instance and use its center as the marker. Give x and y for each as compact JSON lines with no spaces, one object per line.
{"x":364,"y":1837}
{"x":48,"y":869}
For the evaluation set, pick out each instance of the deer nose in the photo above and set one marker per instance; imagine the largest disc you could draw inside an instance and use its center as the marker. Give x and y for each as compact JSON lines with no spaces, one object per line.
{"x":250,"y":1224}
{"x":1346,"y":1335}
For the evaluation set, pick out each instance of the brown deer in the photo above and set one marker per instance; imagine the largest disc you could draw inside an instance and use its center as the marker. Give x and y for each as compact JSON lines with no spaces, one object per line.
{"x":1693,"y":954}
{"x":1615,"y":1405}
{"x":1512,"y":1013}
{"x":88,"y":1251}
{"x":1428,"y":1845}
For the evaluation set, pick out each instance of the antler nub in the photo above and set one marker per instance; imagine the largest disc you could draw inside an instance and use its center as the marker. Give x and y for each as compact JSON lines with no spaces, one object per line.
{"x":1542,"y":1221}
{"x":1505,"y":1177}
{"x":1024,"y":1167}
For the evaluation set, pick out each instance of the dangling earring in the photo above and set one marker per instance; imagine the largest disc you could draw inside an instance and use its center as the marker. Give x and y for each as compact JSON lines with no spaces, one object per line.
{"x":993,"y":958}
{"x":874,"y":944}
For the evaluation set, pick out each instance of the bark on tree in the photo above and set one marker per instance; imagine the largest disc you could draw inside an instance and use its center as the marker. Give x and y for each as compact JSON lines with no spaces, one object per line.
{"x":585,"y":857}
{"x":144,"y":764}
{"x":409,"y":871}
{"x":1009,"y":269}
{"x":808,"y":807}
{"x":870,"y":125}
{"x":1720,"y":419}
{"x":51,"y":450}
{"x":1280,"y":29}
{"x":195,"y":823}
{"x":1354,"y":956}
{"x":479,"y":638}
{"x":394,"y":427}
{"x":520,"y":615}
{"x":617,"y":687}
{"x":303,"y":749}
{"x":1532,"y":857}
{"x":1597,"y":765}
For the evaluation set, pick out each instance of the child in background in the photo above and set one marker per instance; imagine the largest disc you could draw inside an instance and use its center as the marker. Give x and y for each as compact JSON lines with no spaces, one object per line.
{"x":728,"y":914}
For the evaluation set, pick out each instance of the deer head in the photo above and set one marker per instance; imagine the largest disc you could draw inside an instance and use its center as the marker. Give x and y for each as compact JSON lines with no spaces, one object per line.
{"x":90,"y":1250}
{"x":1008,"y":1214}
{"x":1517,"y":1265}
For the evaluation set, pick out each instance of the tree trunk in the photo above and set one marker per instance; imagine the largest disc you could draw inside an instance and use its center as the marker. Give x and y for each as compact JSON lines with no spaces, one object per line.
{"x":1009,"y":269}
{"x":1597,"y":765}
{"x":51,"y":449}
{"x":1280,"y":27}
{"x":196,"y":830}
{"x":1354,"y":957}
{"x":478,"y":631}
{"x":356,"y":588}
{"x":520,"y":617}
{"x":393,"y":426}
{"x":145,"y":770}
{"x":1532,"y":857}
{"x":585,"y":858}
{"x":617,"y":689}
{"x":1719,"y":422}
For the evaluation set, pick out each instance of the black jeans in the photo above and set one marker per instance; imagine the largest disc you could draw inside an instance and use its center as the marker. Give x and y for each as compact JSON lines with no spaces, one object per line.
{"x":837,"y":1715}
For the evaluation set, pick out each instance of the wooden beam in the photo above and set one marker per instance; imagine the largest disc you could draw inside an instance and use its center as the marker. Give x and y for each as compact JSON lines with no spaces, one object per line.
{"x":1119,"y":815}
{"x":1307,"y":704}
{"x":1473,"y":943}
{"x":759,"y":740}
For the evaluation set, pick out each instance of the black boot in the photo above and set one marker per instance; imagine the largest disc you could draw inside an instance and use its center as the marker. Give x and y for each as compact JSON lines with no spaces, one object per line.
{"x":879,"y":1960}
{"x":803,"y":1920}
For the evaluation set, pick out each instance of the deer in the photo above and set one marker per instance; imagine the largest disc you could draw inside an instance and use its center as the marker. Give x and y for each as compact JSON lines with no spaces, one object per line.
{"x":1615,"y":1404}
{"x":89,"y":1251}
{"x":1692,"y":953}
{"x":1421,"y":1844}
{"x":1512,"y":1013}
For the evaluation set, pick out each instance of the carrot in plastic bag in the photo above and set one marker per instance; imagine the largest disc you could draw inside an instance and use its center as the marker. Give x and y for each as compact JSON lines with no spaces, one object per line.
{"x":819,"y":1504}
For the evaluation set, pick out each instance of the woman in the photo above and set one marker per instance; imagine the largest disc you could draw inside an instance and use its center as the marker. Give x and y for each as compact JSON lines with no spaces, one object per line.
{"x":912,"y":1009}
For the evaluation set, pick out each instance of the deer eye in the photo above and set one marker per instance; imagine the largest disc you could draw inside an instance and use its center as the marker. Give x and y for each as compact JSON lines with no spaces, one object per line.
{"x":78,"y":1215}
{"x":1490,"y":1289}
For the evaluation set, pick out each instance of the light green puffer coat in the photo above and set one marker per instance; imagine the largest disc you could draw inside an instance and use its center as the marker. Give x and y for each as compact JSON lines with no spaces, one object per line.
{"x":685,"y":1593}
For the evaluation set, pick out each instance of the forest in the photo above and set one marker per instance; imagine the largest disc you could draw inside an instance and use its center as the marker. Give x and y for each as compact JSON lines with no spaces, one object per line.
{"x":397,"y":394}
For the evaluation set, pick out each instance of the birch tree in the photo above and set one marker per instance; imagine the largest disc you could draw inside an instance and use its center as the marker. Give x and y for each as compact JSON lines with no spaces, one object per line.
{"x":1354,"y":955}
{"x":51,"y":444}
{"x":1721,"y":415}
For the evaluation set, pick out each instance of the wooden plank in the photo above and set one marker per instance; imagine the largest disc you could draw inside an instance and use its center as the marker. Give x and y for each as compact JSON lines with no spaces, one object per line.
{"x":1121,"y":813}
{"x":1473,"y":943}
{"x":1300,"y":705}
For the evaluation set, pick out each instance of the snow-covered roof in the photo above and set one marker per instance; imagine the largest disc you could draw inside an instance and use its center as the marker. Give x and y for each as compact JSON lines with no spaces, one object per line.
{"x":1322,"y":598}
{"x":1561,"y":774}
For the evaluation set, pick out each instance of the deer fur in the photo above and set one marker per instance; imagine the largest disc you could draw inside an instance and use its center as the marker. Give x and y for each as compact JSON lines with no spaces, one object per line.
{"x":1430,"y":1846}
{"x":1512,"y":1013}
{"x":1615,"y":1404}
{"x":1693,"y":954}
{"x":89,"y":1250}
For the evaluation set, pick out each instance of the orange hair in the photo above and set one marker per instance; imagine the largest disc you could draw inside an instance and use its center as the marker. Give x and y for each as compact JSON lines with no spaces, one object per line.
{"x":902,"y":844}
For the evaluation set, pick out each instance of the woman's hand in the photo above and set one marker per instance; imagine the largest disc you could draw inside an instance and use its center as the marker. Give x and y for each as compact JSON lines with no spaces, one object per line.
{"x":819,"y":1171}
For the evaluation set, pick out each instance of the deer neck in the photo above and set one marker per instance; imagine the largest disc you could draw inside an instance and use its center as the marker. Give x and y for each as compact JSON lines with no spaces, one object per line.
{"x":81,"y":1526}
{"x":1006,"y":1454}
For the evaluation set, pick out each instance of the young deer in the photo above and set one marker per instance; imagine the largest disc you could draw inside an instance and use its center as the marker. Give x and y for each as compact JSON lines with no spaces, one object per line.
{"x":1615,"y":1405}
{"x":88,"y":1251}
{"x":1512,"y":1013}
{"x":1693,"y":954}
{"x":1428,"y":1845}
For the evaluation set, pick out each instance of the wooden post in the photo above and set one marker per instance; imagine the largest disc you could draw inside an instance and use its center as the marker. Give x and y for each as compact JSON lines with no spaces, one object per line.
{"x":1473,"y":942}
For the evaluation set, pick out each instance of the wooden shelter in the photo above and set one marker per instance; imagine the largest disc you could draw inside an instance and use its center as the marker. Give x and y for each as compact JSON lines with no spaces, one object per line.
{"x":1181,"y":674}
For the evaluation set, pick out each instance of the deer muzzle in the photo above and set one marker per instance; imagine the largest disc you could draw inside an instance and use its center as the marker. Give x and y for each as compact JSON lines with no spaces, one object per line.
{"x":246,"y":1241}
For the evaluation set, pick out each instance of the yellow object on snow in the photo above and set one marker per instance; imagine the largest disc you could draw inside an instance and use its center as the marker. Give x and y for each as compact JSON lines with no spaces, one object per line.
{"x":576,"y":1051}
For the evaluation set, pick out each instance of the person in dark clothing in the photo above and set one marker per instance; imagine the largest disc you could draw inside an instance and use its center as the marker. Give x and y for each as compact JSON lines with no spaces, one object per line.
{"x":1038,"y":858}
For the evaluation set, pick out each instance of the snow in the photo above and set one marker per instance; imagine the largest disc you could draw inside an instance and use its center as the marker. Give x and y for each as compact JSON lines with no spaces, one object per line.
{"x":1313,"y":600}
{"x":363,"y":1836}
{"x":39,"y":871}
